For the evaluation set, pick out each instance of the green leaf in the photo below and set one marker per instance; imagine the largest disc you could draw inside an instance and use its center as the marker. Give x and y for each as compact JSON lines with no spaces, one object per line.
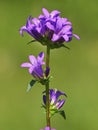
{"x":30,"y":85}
{"x":62,"y":113}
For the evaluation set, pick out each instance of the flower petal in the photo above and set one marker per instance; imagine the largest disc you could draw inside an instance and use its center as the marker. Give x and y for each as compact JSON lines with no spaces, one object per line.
{"x":38,"y":71}
{"x":59,"y":93}
{"x":66,"y":38}
{"x":58,"y":25}
{"x":53,"y":98}
{"x":45,"y":12}
{"x":31,"y":69}
{"x":50,"y":26}
{"x":55,"y":95}
{"x":76,"y":36}
{"x":22,"y":29}
{"x":64,"y":20}
{"x":40,"y":58}
{"x":66,"y":28}
{"x":26,"y":64}
{"x":60,"y":103}
{"x":28,"y":24}
{"x":54,"y":13}
{"x":33,"y":60}
{"x":55,"y":37}
{"x":36,"y":21}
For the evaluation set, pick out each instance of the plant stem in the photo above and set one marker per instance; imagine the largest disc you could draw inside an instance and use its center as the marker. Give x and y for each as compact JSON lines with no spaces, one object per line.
{"x":47,"y":56}
{"x":47,"y":105}
{"x":47,"y":89}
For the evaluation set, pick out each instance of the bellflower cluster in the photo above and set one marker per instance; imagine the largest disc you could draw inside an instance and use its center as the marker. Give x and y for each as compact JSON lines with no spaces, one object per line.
{"x":49,"y":29}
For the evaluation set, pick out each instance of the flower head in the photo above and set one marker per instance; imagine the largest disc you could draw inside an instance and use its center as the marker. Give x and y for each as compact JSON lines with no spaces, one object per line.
{"x":49,"y":28}
{"x":55,"y":102}
{"x":35,"y":66}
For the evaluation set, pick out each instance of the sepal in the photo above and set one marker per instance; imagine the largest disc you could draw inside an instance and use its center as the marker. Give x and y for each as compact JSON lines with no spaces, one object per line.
{"x":62,"y":113}
{"x":55,"y":111}
{"x":44,"y":81}
{"x":57,"y":45}
{"x":31,"y":41}
{"x":43,"y":106}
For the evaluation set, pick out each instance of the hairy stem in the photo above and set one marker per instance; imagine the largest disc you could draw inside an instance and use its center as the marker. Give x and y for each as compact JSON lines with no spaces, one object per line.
{"x":47,"y":89}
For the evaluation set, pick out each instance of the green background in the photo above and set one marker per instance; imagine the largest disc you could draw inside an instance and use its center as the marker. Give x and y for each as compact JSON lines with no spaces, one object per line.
{"x":74,"y":71}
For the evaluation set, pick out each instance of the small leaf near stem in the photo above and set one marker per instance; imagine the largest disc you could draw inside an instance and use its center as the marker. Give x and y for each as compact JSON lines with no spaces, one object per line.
{"x":30,"y":85}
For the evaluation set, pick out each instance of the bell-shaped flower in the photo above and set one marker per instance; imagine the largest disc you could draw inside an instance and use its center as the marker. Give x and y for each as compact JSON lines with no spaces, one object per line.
{"x":35,"y":66}
{"x":55,"y":101}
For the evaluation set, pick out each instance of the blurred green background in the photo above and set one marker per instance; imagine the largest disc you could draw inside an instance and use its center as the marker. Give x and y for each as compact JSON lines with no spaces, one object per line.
{"x":75,"y":71}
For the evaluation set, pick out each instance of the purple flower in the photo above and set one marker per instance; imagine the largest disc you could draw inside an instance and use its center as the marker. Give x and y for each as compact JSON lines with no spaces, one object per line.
{"x":49,"y":28}
{"x":48,"y":128}
{"x":33,"y":27}
{"x":35,"y":66}
{"x":55,"y":101}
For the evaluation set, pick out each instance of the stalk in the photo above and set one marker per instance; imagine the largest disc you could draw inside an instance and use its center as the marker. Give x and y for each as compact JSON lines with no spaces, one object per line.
{"x":47,"y":89}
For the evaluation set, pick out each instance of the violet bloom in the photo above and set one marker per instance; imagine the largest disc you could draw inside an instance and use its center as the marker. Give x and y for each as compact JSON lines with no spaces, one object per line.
{"x":48,"y":128}
{"x":60,"y":28}
{"x":55,"y":102}
{"x":49,"y":28}
{"x":33,"y":27}
{"x":35,"y":66}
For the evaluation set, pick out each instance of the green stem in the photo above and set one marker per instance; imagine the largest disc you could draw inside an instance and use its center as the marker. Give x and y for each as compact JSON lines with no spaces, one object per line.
{"x":47,"y":56}
{"x":47,"y":90}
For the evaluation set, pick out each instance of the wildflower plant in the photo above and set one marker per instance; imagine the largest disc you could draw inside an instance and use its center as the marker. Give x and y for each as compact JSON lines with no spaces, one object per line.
{"x":52,"y":31}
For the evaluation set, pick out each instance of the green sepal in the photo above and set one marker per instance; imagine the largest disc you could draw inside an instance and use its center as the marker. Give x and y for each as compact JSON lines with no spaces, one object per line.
{"x":43,"y":106}
{"x":66,"y":47}
{"x":31,"y":41}
{"x":58,"y":45}
{"x":46,"y":42}
{"x":44,"y":81}
{"x":30,"y":85}
{"x":62,"y":113}
{"x":53,"y":112}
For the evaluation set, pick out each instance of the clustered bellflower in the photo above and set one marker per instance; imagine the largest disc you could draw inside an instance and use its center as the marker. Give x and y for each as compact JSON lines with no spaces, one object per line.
{"x":55,"y":102}
{"x":52,"y":30}
{"x":49,"y":29}
{"x":35,"y":66}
